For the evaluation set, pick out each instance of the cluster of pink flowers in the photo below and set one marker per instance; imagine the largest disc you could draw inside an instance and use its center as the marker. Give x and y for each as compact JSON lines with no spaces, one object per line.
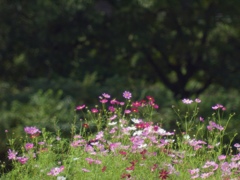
{"x":219,"y":106}
{"x":189,"y":101}
{"x":55,"y":171}
{"x":212,"y":125}
{"x":140,"y":136}
{"x":32,"y":130}
{"x":12,"y":155}
{"x":196,"y":144}
{"x":93,"y":161}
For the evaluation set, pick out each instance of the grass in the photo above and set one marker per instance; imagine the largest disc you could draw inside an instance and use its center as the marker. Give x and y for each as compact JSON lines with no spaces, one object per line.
{"x":123,"y":140}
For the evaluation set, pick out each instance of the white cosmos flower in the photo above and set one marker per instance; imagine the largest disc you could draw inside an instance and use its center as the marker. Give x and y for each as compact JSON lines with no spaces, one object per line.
{"x":112,"y":123}
{"x":161,"y":131}
{"x":137,"y":133}
{"x":132,"y":128}
{"x":142,"y":146}
{"x":135,"y":120}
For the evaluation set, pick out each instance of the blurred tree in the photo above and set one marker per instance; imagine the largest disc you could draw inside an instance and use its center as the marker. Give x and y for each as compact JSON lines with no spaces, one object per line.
{"x":187,"y":45}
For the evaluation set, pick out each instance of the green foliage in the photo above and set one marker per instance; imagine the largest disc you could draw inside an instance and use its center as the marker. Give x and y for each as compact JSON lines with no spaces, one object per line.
{"x":175,"y":43}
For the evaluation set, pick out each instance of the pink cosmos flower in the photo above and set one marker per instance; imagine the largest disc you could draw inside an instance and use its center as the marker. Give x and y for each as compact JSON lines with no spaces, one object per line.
{"x":22,"y":160}
{"x":122,"y":103}
{"x":127,"y":95}
{"x":197,"y":100}
{"x":111,"y":108}
{"x":237,"y":145}
{"x":187,"y":101}
{"x":29,"y":146}
{"x":127,"y":111}
{"x":219,"y":106}
{"x":12,"y":154}
{"x":106,"y":95}
{"x":206,"y":175}
{"x":41,"y":143}
{"x":193,"y":171}
{"x":136,"y":104}
{"x":113,"y":117}
{"x":99,"y":135}
{"x":90,"y":160}
{"x":211,"y":164}
{"x":113,"y":146}
{"x":114,"y":101}
{"x":32,"y":130}
{"x":80,"y":107}
{"x":150,"y":98}
{"x":212,"y":125}
{"x":55,"y":171}
{"x":103,"y":101}
{"x":85,"y":170}
{"x":221,"y":157}
{"x":201,"y":119}
{"x":94,"y":110}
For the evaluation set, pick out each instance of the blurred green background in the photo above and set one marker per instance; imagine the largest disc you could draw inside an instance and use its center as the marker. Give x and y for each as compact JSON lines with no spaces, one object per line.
{"x":55,"y":55}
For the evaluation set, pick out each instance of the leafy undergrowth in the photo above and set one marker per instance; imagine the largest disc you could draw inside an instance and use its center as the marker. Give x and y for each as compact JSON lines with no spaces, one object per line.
{"x":122,"y":140}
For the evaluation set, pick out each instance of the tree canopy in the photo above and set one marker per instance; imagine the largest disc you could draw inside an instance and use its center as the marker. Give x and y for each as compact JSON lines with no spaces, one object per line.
{"x":186,"y":45}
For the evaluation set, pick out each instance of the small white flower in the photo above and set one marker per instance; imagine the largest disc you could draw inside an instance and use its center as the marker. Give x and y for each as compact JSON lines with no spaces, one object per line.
{"x":186,"y":136}
{"x":135,"y":120}
{"x":132,"y":128}
{"x":137,"y":133}
{"x":161,"y":131}
{"x":142,"y":146}
{"x":112,"y":123}
{"x":61,"y":178}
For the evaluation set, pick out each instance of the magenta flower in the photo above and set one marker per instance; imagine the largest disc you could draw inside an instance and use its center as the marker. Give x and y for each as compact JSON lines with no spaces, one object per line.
{"x":94,"y":110}
{"x":29,"y":146}
{"x":32,"y":130}
{"x":22,"y":160}
{"x":80,"y":107}
{"x":103,"y":101}
{"x":114,"y":101}
{"x":111,"y":108}
{"x":136,"y":104}
{"x":127,"y":95}
{"x":187,"y":101}
{"x":12,"y":154}
{"x":55,"y":171}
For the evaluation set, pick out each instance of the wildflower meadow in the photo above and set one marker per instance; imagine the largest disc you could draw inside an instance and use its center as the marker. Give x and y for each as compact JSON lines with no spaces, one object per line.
{"x":124,"y":139}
